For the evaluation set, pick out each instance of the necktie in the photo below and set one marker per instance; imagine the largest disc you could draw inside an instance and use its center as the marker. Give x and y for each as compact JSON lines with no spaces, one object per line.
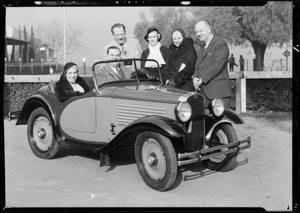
{"x":123,"y":50}
{"x":120,"y":73}
{"x":202,"y":44}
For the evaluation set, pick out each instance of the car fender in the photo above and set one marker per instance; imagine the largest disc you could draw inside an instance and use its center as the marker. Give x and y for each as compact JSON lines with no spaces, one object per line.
{"x":33,"y":103}
{"x":232,"y":116}
{"x":208,"y":135}
{"x":160,"y":124}
{"x":163,"y":125}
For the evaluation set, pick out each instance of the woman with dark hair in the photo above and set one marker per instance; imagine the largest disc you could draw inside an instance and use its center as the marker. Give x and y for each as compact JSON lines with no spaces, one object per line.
{"x":154,"y":51}
{"x":70,"y":84}
{"x":181,"y":62}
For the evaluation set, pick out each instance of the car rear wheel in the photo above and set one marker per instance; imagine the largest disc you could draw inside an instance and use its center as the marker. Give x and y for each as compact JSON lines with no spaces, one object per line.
{"x":223,"y":134}
{"x":156,"y":160}
{"x":41,"y":135}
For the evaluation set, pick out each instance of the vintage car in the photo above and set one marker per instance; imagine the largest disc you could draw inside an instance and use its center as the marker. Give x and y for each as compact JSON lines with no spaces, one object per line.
{"x":166,"y":127}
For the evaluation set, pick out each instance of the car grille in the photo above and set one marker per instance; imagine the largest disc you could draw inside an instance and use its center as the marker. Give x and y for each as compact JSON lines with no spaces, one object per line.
{"x":127,"y":113}
{"x":196,"y":128}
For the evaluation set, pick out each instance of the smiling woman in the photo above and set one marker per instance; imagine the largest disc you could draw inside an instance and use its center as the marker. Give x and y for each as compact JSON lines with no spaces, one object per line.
{"x":70,"y":84}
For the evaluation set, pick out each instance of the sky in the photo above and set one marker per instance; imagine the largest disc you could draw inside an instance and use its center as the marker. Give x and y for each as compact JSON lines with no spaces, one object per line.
{"x":94,"y":22}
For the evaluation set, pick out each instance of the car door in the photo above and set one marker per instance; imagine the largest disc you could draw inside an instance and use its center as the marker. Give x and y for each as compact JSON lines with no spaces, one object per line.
{"x":78,"y":119}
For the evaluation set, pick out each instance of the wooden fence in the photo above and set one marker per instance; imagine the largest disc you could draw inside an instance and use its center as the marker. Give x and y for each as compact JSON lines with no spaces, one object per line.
{"x":240,"y":78}
{"x":240,"y":102}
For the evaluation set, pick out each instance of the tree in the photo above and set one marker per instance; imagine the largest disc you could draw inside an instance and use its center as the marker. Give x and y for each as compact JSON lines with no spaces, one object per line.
{"x":53,"y":34}
{"x":264,"y":26}
{"x":140,"y":30}
{"x":32,"y":45}
{"x":165,"y":19}
{"x":25,"y":48}
{"x":261,"y":26}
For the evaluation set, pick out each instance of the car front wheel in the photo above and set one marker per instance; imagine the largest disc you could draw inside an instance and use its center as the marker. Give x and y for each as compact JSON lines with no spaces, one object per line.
{"x":41,"y":135}
{"x":156,"y":160}
{"x":223,"y":134}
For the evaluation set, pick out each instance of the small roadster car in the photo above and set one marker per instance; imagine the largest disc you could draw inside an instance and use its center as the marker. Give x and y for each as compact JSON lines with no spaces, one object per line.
{"x":166,"y":127}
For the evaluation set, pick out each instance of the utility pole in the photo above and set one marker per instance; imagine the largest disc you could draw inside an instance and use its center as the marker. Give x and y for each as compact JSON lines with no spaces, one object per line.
{"x":64,"y":26}
{"x":53,"y":45}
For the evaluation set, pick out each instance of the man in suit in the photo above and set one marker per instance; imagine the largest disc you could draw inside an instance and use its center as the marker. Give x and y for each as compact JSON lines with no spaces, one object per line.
{"x":113,"y":71}
{"x":211,"y":74}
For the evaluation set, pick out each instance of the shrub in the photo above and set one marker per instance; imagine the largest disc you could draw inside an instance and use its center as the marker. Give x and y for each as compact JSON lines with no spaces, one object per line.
{"x":15,"y":94}
{"x":269,"y":94}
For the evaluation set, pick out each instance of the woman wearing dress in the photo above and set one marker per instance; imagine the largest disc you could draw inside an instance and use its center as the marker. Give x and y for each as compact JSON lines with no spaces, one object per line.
{"x":70,"y":83}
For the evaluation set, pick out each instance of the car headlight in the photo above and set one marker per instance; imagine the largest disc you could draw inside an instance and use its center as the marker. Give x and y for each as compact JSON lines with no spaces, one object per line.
{"x":217,"y":107}
{"x":184,"y":111}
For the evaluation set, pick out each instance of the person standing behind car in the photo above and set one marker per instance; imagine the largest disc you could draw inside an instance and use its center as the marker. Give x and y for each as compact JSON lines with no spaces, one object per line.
{"x":130,"y":47}
{"x":211,"y":74}
{"x":154,"y":51}
{"x":232,"y":63}
{"x":242,"y":63}
{"x":70,"y":83}
{"x":180,"y":62}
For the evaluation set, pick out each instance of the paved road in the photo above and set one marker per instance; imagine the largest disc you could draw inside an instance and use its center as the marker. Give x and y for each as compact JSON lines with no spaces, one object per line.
{"x":263,"y":177}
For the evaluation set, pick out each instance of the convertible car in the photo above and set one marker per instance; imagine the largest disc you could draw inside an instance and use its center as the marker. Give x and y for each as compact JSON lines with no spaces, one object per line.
{"x":166,"y":127}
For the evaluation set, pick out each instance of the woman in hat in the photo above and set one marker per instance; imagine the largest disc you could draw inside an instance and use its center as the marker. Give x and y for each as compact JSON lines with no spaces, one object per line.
{"x":70,"y":84}
{"x":181,"y":62}
{"x":154,"y":51}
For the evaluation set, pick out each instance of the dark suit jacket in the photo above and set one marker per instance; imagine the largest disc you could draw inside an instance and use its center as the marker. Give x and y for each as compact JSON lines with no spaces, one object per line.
{"x":211,"y":67}
{"x":146,"y":52}
{"x":106,"y":74}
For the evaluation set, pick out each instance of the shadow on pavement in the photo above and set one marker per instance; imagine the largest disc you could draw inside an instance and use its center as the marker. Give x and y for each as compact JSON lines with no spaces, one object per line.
{"x":69,"y":150}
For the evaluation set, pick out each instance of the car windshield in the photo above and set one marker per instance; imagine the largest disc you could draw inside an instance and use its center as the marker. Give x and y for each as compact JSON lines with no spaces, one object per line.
{"x":125,"y":69}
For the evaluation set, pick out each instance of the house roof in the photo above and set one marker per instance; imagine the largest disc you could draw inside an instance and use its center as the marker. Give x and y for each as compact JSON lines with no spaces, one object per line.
{"x":11,"y":41}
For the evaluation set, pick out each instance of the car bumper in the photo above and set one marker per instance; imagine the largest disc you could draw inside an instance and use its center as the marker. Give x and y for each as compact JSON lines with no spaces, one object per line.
{"x":13,"y":115}
{"x":200,"y":155}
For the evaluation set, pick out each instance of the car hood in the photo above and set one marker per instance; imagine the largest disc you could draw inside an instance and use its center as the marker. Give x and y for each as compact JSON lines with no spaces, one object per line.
{"x":146,"y":92}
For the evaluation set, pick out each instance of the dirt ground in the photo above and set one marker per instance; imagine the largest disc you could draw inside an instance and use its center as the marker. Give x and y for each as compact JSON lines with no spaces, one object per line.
{"x":263,"y":177}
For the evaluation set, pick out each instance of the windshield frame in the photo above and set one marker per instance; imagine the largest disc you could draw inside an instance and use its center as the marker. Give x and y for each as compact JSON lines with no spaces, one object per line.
{"x":134,"y":60}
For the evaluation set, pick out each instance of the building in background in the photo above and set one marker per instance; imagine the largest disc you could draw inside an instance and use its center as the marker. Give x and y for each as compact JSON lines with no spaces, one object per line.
{"x":20,"y":45}
{"x":25,"y":54}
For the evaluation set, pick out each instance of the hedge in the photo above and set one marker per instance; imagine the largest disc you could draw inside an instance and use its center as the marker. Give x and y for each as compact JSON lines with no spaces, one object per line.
{"x":262,"y":94}
{"x":266,"y":94}
{"x":15,"y":94}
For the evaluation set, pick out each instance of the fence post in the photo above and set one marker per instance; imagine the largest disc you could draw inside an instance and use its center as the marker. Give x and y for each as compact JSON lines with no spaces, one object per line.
{"x":50,"y":68}
{"x":42,"y":66}
{"x":240,"y":104}
{"x":31,"y":60}
{"x":238,"y":96}
{"x":84,"y":66}
{"x":20,"y":65}
{"x":20,"y":68}
{"x":5,"y":68}
{"x":243,"y":95}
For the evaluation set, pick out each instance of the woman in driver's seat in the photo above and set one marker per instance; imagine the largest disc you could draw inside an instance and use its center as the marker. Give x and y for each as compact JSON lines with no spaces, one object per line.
{"x":70,"y":83}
